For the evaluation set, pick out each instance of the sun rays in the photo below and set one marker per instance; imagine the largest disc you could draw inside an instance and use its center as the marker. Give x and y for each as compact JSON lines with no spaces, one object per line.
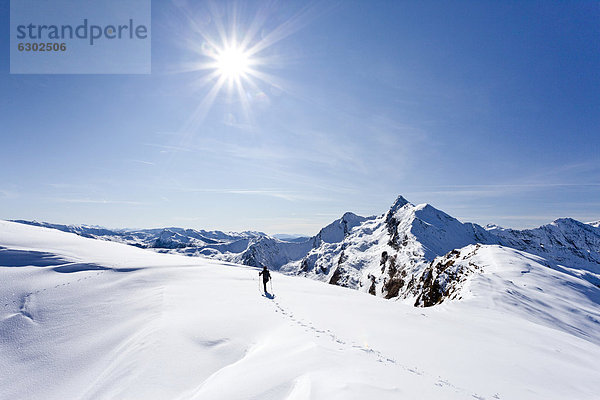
{"x":236,"y":55}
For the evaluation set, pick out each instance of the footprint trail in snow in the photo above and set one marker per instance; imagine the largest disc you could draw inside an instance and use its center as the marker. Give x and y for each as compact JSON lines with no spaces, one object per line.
{"x":378,"y":355}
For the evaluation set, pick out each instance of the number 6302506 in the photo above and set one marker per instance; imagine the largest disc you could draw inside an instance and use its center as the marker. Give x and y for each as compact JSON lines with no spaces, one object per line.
{"x":42,"y":46}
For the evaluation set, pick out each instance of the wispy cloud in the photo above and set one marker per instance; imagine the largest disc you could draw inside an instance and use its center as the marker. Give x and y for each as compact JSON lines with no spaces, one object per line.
{"x":305,"y":226}
{"x":167,"y":133}
{"x":168,"y":148}
{"x":8,"y":194}
{"x":272,"y":193}
{"x":281,"y":194}
{"x":143,"y":162}
{"x":70,"y":186}
{"x":525,"y":185}
{"x":94,"y":201}
{"x":494,"y":189}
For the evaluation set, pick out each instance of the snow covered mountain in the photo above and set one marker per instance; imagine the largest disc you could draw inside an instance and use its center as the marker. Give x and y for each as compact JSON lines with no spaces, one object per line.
{"x":91,"y":319}
{"x":249,"y":247}
{"x":276,"y":254}
{"x":567,"y":242}
{"x":161,"y":238}
{"x":390,"y":255}
{"x":384,"y":255}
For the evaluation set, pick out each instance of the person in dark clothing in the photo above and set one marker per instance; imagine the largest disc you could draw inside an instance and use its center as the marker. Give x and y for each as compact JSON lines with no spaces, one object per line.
{"x":266,"y":277}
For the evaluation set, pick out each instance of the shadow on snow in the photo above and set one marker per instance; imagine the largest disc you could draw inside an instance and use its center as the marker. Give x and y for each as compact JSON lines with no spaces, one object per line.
{"x":27,"y":258}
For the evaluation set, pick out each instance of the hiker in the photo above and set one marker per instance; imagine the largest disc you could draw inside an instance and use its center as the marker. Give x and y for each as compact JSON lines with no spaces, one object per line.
{"x":266,"y":277}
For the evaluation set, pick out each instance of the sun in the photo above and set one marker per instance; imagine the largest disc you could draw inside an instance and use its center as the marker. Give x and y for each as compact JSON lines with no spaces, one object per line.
{"x":234,"y":59}
{"x":233,"y":63}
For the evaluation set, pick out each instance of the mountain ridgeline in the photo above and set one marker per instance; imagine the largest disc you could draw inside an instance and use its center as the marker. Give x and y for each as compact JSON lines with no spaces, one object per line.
{"x":412,"y":252}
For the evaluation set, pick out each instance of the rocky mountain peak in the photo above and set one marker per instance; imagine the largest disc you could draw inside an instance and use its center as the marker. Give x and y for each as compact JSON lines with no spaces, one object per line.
{"x":565,"y":221}
{"x":339,"y":229}
{"x":398,"y":204}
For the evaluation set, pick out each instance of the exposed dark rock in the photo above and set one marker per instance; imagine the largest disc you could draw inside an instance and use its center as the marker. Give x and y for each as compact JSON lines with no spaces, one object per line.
{"x":392,"y":287}
{"x":342,"y":258}
{"x":432,"y":291}
{"x":304,"y":266}
{"x":337,"y":276}
{"x":384,"y":257}
{"x":440,"y":281}
{"x":372,"y":288}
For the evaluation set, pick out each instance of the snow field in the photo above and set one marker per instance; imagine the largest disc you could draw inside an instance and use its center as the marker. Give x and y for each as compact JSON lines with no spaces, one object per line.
{"x":87,"y":319}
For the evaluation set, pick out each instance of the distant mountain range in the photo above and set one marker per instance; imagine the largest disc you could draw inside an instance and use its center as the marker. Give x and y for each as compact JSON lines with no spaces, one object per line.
{"x":408,"y":252}
{"x":159,"y":238}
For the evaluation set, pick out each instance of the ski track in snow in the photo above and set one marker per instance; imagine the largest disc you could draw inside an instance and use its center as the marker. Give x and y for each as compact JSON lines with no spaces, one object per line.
{"x":378,"y":355}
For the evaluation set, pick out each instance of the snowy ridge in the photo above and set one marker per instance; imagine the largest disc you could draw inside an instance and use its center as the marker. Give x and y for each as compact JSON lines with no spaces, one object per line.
{"x":89,"y":319}
{"x":565,"y":241}
{"x":517,"y":282}
{"x":384,"y":255}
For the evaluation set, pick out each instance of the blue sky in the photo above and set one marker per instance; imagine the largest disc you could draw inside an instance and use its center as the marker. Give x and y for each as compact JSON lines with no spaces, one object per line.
{"x":487,"y":110}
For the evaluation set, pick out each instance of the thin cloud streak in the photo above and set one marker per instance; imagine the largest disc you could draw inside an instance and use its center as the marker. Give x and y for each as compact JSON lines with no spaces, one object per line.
{"x":281,"y":194}
{"x":8,"y":194}
{"x":72,"y":186}
{"x":94,"y":201}
{"x":518,"y":185}
{"x":496,"y":189}
{"x":143,"y":162}
{"x":168,"y":148}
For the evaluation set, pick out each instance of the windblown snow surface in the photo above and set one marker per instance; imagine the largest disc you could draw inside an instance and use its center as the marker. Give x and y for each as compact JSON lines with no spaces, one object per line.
{"x":88,"y":319}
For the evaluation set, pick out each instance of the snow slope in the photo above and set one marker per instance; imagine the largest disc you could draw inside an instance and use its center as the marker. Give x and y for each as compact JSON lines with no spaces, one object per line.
{"x":88,"y":319}
{"x":520,"y":283}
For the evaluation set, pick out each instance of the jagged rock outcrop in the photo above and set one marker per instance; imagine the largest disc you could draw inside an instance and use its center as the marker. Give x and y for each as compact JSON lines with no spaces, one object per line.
{"x":444,"y":278}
